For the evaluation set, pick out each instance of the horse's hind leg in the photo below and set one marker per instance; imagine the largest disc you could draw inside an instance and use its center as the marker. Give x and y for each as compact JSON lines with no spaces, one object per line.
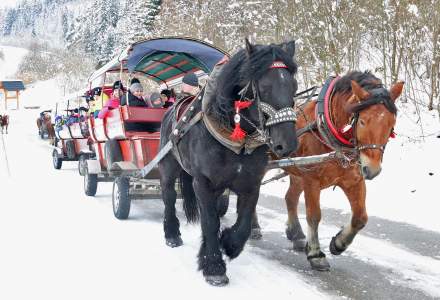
{"x":294,"y":231}
{"x":314,"y":254}
{"x":169,"y":171}
{"x":210,"y":257}
{"x":233,"y":239}
{"x":356,"y":195}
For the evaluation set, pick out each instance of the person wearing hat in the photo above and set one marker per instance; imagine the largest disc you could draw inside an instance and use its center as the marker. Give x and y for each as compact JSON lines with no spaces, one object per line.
{"x":134,"y":96}
{"x":190,"y":85}
{"x":155,"y":100}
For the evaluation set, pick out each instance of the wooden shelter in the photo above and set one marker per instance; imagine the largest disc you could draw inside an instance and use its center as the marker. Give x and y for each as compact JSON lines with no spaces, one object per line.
{"x":11,"y":87}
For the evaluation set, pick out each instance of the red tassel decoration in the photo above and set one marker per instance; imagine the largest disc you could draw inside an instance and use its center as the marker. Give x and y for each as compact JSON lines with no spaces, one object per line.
{"x":392,"y":135}
{"x":239,"y":134}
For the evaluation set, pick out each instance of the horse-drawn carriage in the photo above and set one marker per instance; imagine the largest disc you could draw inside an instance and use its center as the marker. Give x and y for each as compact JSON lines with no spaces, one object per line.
{"x":45,"y":125}
{"x":222,"y":140}
{"x":123,"y":150}
{"x":72,"y":141}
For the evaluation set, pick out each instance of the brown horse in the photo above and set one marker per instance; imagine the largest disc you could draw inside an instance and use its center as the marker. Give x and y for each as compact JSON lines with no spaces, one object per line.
{"x":4,"y":123}
{"x":362,"y":115}
{"x":45,"y":126}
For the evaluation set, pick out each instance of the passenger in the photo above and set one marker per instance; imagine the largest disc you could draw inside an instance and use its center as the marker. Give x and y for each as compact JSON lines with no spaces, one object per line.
{"x":190,"y":86}
{"x":99,"y":98}
{"x":167,"y":98}
{"x":134,"y":96}
{"x":155,"y":101}
{"x":113,"y":102}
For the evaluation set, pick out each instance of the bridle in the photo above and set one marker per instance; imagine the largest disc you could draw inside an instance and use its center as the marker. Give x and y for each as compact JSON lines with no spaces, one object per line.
{"x":285,"y":114}
{"x":333,"y":137}
{"x":377,"y":96}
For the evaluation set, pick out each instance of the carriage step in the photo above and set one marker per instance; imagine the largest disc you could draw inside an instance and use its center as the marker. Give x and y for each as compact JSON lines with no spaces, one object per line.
{"x":123,"y":166}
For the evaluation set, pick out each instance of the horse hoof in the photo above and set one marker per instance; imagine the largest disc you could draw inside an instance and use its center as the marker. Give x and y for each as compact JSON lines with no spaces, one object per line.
{"x":174,"y":242}
{"x":299,"y":245}
{"x":319,"y":264}
{"x":256,"y":234}
{"x":334,"y":249}
{"x":217,"y":280}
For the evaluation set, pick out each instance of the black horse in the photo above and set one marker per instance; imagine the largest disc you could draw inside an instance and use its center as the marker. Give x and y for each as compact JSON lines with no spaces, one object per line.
{"x":264,"y":77}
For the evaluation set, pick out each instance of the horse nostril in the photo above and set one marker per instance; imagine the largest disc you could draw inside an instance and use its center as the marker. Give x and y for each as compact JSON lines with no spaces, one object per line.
{"x":278,"y":148}
{"x":365,"y":170}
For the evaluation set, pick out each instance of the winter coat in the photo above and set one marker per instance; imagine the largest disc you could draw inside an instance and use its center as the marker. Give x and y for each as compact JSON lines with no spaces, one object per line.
{"x":112,"y":103}
{"x":132,"y":100}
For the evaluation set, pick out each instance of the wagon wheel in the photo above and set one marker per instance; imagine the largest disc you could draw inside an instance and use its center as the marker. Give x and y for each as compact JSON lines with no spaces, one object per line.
{"x":82,"y":161}
{"x":121,"y":198}
{"x":223,"y":203}
{"x":90,"y":182}
{"x":70,"y":149}
{"x":112,"y":153}
{"x":57,"y":161}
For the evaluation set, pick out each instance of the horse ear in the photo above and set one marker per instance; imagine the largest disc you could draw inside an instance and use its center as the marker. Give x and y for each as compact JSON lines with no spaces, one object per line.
{"x":358,"y":91}
{"x":249,"y":46}
{"x":396,"y":90}
{"x":289,"y":47}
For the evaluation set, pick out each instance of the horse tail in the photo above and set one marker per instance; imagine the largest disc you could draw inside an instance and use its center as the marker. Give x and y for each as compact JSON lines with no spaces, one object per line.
{"x":189,"y":198}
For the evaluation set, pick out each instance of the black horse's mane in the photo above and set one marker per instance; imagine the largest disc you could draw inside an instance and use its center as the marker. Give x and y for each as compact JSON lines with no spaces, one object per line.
{"x":369,"y":82}
{"x":239,"y":71}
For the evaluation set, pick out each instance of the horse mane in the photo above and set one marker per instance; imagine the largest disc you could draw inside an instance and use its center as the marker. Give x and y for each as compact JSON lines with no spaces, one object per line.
{"x":239,"y":71}
{"x":368,"y":82}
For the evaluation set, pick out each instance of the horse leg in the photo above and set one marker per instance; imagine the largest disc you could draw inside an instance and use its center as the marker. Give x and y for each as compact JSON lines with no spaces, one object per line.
{"x":255,"y":228}
{"x":210,"y":258}
{"x":169,"y":171}
{"x":356,"y":194}
{"x":294,"y":231}
{"x":313,"y":251}
{"x":233,"y":239}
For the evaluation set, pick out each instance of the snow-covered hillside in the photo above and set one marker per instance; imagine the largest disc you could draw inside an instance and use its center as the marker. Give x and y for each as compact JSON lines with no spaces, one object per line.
{"x":9,"y":64}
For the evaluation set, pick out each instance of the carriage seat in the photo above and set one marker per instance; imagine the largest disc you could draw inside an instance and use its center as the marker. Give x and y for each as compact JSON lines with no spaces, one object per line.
{"x":142,"y":119}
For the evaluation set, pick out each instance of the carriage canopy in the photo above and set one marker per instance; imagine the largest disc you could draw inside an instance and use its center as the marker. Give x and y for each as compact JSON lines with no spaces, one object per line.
{"x":165,"y":59}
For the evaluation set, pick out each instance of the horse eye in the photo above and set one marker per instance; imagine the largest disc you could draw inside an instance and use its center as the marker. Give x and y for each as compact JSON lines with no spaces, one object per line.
{"x":361,"y":122}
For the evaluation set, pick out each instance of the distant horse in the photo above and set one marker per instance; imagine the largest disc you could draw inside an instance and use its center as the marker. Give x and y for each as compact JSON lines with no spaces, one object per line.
{"x":358,"y":117}
{"x":4,"y":123}
{"x":45,"y":126}
{"x":254,"y":90}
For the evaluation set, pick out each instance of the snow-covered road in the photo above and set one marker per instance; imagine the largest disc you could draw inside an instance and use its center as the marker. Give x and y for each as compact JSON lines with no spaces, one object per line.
{"x":57,"y":243}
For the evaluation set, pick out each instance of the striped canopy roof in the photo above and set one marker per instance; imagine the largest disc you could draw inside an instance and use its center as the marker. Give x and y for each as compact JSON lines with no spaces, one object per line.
{"x":164,"y":59}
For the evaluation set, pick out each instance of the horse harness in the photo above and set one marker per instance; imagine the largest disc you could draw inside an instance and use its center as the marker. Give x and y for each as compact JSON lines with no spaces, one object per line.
{"x":329,"y":135}
{"x":183,"y":121}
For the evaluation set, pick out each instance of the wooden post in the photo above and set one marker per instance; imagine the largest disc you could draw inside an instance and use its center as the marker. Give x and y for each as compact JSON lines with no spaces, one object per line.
{"x":16,"y":96}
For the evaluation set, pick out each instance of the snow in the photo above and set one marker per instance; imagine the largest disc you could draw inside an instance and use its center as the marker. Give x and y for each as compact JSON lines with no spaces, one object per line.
{"x":406,"y":268}
{"x":9,"y":65}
